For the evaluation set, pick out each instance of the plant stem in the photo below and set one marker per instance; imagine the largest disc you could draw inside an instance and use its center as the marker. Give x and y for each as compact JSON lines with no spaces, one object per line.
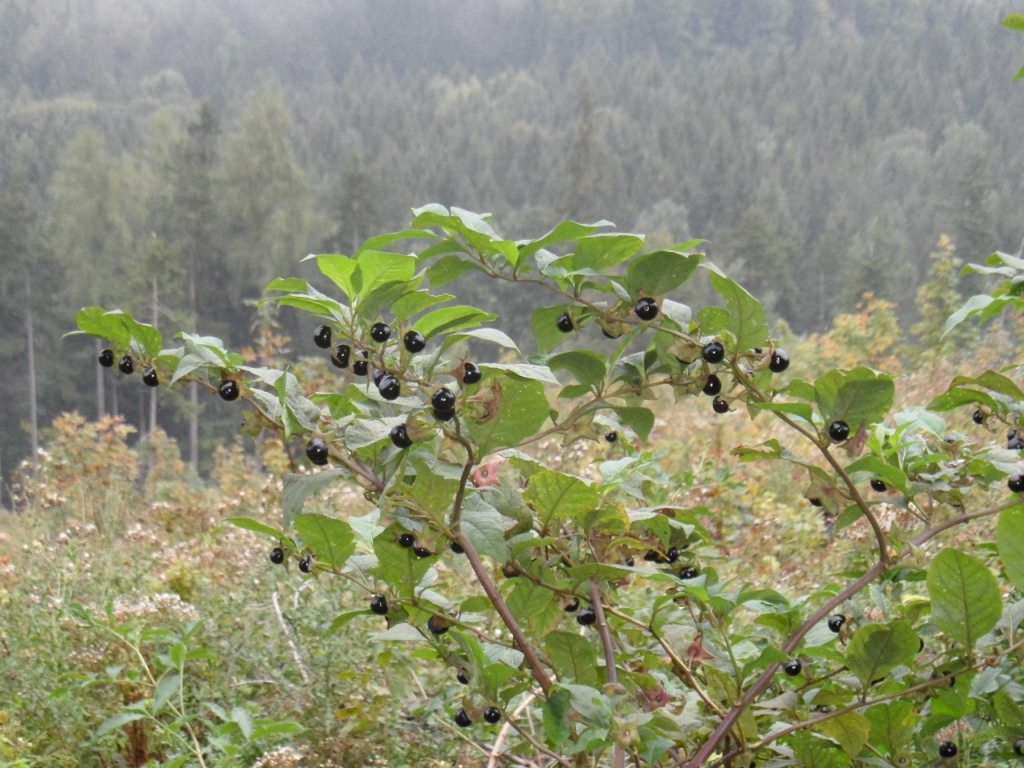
{"x":611,"y":673}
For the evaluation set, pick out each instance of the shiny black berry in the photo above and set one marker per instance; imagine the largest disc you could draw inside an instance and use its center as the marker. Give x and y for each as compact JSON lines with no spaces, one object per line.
{"x":792,"y":667}
{"x":444,"y":415}
{"x":306,"y":563}
{"x":377,"y":375}
{"x":1016,"y":483}
{"x":228,"y":390}
{"x":646,"y":309}
{"x":470,"y":373}
{"x":1015,"y":444}
{"x":462,"y":719}
{"x":629,"y":562}
{"x":456,"y":548}
{"x":838,"y":431}
{"x":421,"y":552}
{"x":564,"y":322}
{"x":978,"y":416}
{"x":836,"y":621}
{"x":406,"y":540}
{"x":380,"y":332}
{"x":720,"y":404}
{"x":878,"y":485}
{"x":688,"y":572}
{"x":361,"y":367}
{"x":611,"y":437}
{"x":653,"y":556}
{"x":572,"y":606}
{"x":712,"y":386}
{"x":437,"y":625}
{"x":389,"y":387}
{"x":322,"y":336}
{"x":779,"y":361}
{"x":443,"y":399}
{"x":106,"y":358}
{"x":586,"y":616}
{"x":340,"y":355}
{"x":948,"y":749}
{"x":713,"y":352}
{"x":400,"y":436}
{"x":125,"y":364}
{"x":277,"y":555}
{"x":317,"y":452}
{"x":672,"y":555}
{"x":379,"y":605}
{"x":492,"y":715}
{"x":1018,"y":747}
{"x":414,"y":341}
{"x":150,"y":379}
{"x":462,"y":677}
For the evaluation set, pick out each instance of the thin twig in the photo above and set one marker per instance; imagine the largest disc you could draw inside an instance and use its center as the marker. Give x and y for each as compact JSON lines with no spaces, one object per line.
{"x":611,"y":673}
{"x":499,"y":741}
{"x":288,"y":638}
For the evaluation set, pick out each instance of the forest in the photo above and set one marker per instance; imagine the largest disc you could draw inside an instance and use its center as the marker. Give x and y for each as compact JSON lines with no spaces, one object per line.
{"x":170,"y":157}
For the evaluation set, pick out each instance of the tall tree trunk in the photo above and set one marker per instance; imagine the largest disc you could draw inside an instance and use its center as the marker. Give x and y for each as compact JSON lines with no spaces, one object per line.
{"x":33,"y":417}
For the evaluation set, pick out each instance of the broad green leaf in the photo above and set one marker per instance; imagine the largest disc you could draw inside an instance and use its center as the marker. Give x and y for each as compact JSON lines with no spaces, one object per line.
{"x":298,"y":488}
{"x":957,"y":397}
{"x":431,"y":492}
{"x":485,"y":528}
{"x":555,"y":712}
{"x":858,"y":396}
{"x":450,"y":319}
{"x":876,"y":649}
{"x":640,"y":420}
{"x":449,"y":267}
{"x":416,"y":301}
{"x":596,"y":253}
{"x":574,"y":657}
{"x":661,"y":272}
{"x":802,"y":411}
{"x":557,"y":496}
{"x":517,"y":411}
{"x":168,"y":686}
{"x":400,"y":633}
{"x":398,"y":565}
{"x":747,"y":321}
{"x":586,"y":367}
{"x":892,"y":476}
{"x":544,"y":322}
{"x":339,"y":269}
{"x":534,"y":605}
{"x":972,"y":306}
{"x":255,"y":525}
{"x":892,"y":725}
{"x":1014,"y":21}
{"x":564,"y":232}
{"x":243,"y":718}
{"x":331,"y":540}
{"x":1010,"y":541}
{"x":386,"y":239}
{"x":492,"y":335}
{"x":265,"y":727}
{"x":711,"y":320}
{"x":1009,"y":712}
{"x":993,"y":381}
{"x":377,"y":268}
{"x":851,"y":731}
{"x":118,"y":720}
{"x":965,"y":598}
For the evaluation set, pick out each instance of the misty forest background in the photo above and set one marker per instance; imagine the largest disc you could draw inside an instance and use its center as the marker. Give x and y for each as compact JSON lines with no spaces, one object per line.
{"x":170,"y":157}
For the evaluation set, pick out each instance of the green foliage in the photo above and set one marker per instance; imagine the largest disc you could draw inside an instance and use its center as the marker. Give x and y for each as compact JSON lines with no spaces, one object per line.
{"x":482,"y":545}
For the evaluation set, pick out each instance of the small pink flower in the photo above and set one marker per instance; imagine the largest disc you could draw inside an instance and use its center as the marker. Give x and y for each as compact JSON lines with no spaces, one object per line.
{"x":486,"y":474}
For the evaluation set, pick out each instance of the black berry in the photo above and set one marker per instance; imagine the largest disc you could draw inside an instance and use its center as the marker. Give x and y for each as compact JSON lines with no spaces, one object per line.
{"x":672,"y":555}
{"x":437,"y":626}
{"x":646,"y":308}
{"x":815,"y":502}
{"x":509,"y":570}
{"x":379,"y":605}
{"x":443,"y":400}
{"x":1016,"y":483}
{"x":1018,"y":747}
{"x":1015,"y":444}
{"x":947,"y":749}
{"x":149,"y":378}
{"x":611,"y":437}
{"x":377,"y":375}
{"x":572,"y":606}
{"x":586,"y":616}
{"x":779,"y":361}
{"x":414,"y":341}
{"x":792,"y":667}
{"x":836,"y":621}
{"x":878,"y":485}
{"x":688,"y":572}
{"x":462,"y":719}
{"x":306,"y":563}
{"x":340,"y":355}
{"x":456,"y":548}
{"x":228,"y":390}
{"x":106,"y":358}
{"x":978,"y":416}
{"x":389,"y":387}
{"x":277,"y":555}
{"x":422,"y":552}
{"x":492,"y":715}
{"x":653,"y":556}
{"x":317,"y":452}
{"x":380,"y":332}
{"x":720,"y":404}
{"x":462,"y":677}
{"x":629,"y":562}
{"x":444,"y":415}
{"x":400,"y":436}
{"x":322,"y":336}
{"x":125,"y":364}
{"x":406,"y":540}
{"x":361,"y":367}
{"x":564,"y":322}
{"x":470,"y":373}
{"x":838,"y":431}
{"x":712,"y":386}
{"x":713,"y":352}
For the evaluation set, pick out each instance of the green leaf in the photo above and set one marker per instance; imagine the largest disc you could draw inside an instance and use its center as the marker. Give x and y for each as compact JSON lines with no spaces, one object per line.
{"x":255,"y":525}
{"x":1014,"y":21}
{"x":118,"y":720}
{"x":586,"y":367}
{"x":398,"y":565}
{"x":892,"y":724}
{"x":339,"y":270}
{"x":416,"y":301}
{"x":534,"y":605}
{"x":851,"y":731}
{"x":243,"y":718}
{"x":331,"y":540}
{"x":544,"y":322}
{"x":555,"y":712}
{"x":876,"y":649}
{"x":168,"y":686}
{"x":661,"y":272}
{"x":994,"y":382}
{"x":564,"y":232}
{"x":892,"y":476}
{"x":448,"y":268}
{"x":485,"y":528}
{"x":712,"y":320}
{"x":859,"y":396}
{"x":1010,"y":541}
{"x":965,"y":598}
{"x":640,"y":420}
{"x":492,"y":335}
{"x":557,"y":496}
{"x":450,"y":319}
{"x":521,"y":409}
{"x":972,"y":306}
{"x":574,"y":657}
{"x":747,"y":321}
{"x":298,"y":488}
{"x":378,"y":268}
{"x":1009,"y":712}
